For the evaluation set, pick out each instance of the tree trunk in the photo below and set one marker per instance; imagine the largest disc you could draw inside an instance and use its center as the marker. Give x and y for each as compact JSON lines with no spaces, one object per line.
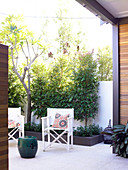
{"x":29,"y":98}
{"x":86,"y":121}
{"x":29,"y":108}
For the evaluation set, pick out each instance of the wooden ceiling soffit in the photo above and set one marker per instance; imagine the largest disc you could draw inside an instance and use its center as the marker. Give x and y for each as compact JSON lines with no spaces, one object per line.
{"x":98,"y":10}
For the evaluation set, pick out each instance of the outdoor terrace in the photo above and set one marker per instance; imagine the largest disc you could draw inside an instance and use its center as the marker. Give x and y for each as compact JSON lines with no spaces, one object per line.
{"x":97,"y":157}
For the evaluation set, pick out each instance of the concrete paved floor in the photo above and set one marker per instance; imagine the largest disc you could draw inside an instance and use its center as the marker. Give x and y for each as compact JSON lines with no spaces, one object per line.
{"x":97,"y":157}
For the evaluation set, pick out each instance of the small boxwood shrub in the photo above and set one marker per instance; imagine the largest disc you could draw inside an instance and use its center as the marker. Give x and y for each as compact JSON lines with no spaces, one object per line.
{"x":87,"y":130}
{"x":32,"y":127}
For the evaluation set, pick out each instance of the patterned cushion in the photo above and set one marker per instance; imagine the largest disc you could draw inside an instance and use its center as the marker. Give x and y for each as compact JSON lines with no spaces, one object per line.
{"x":60,"y":121}
{"x":12,"y":124}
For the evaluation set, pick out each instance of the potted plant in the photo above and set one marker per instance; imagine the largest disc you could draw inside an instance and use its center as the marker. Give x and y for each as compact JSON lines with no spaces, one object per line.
{"x":119,"y":139}
{"x":88,"y":135}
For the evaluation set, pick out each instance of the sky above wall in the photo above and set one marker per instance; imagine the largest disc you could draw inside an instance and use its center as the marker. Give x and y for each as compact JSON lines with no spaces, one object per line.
{"x":36,"y":11}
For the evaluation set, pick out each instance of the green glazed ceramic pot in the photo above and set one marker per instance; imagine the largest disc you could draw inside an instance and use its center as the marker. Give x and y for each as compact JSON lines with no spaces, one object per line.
{"x":27,"y":146}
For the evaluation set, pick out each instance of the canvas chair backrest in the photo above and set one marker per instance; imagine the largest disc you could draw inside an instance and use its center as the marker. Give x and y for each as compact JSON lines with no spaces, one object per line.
{"x":52,"y":112}
{"x":13,"y":114}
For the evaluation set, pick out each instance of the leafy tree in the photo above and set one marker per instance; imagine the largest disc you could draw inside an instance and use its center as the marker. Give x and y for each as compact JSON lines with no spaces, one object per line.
{"x":84,"y":96}
{"x":19,"y":39}
{"x":104,"y":60}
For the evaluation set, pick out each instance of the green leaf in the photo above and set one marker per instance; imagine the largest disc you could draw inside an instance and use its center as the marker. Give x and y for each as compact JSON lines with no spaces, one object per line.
{"x":107,"y":133}
{"x":126,"y":128}
{"x":127,"y":149}
{"x":126,"y":140}
{"x":122,"y":145}
{"x":117,"y":149}
{"x":70,"y":99}
{"x":118,"y":130}
{"x":119,"y":126}
{"x":124,"y":154}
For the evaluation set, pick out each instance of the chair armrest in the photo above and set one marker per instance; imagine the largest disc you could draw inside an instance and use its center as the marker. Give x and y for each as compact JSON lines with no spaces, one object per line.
{"x":21,"y":116}
{"x":43,"y":118}
{"x":47,"y":119}
{"x":70,"y":118}
{"x":70,"y":123}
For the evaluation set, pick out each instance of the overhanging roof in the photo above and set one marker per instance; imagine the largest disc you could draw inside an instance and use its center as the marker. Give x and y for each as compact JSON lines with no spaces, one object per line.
{"x":118,"y":8}
{"x":108,"y":10}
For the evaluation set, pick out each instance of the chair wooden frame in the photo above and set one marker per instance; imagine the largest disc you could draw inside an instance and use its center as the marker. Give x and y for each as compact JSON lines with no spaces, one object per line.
{"x":49,"y":120}
{"x":15,"y":115}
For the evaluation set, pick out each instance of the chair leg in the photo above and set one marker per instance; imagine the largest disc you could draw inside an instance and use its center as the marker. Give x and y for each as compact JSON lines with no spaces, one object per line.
{"x":72,"y":141}
{"x":43,"y":141}
{"x":68,"y":141}
{"x":48,"y":137}
{"x":12,"y":133}
{"x":22,"y":134}
{"x":23,"y":131}
{"x":19,"y":133}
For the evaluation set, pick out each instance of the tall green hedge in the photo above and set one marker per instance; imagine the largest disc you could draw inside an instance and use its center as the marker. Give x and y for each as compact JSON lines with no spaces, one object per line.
{"x":69,"y":81}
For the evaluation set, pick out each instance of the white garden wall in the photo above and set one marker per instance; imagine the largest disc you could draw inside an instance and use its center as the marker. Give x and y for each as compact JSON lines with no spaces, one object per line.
{"x":105,"y":106}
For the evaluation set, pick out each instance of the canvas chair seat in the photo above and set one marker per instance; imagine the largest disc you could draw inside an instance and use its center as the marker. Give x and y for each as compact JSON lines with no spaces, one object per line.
{"x":15,"y":123}
{"x":58,"y":119}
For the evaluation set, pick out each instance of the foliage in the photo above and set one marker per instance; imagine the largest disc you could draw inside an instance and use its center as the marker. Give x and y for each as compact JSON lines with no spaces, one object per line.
{"x":70,"y":37}
{"x":49,"y":89}
{"x":22,"y":45}
{"x":65,"y":37}
{"x":104,"y":59}
{"x":85,"y":89}
{"x":33,"y":127}
{"x":96,"y":130}
{"x":70,"y":79}
{"x":55,"y":86}
{"x":87,"y":130}
{"x":119,"y":139}
{"x":68,"y":82}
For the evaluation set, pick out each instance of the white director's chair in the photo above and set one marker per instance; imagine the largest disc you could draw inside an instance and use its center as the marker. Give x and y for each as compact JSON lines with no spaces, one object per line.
{"x":15,"y":122}
{"x":58,"y":119}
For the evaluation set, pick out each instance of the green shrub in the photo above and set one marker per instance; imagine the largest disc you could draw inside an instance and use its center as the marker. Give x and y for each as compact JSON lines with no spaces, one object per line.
{"x":33,"y":127}
{"x":38,"y":128}
{"x":52,"y":89}
{"x":87,"y":130}
{"x":69,"y":82}
{"x":84,"y":95}
{"x":28,"y":126}
{"x":96,"y":130}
